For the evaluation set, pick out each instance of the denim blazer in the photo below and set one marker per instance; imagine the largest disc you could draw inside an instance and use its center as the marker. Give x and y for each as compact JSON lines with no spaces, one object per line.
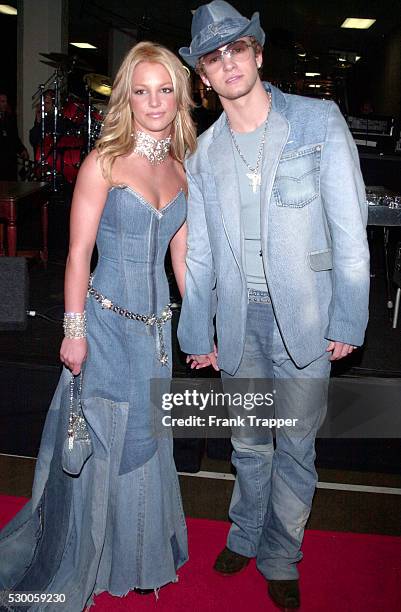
{"x":313,"y":235}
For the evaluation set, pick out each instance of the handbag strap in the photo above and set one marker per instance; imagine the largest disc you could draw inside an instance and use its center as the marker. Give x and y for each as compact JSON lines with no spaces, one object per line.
{"x":72,"y":417}
{"x":72,"y":389}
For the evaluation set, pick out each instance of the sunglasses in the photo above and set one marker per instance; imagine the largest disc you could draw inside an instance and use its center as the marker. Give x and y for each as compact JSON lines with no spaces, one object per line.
{"x":238,"y":51}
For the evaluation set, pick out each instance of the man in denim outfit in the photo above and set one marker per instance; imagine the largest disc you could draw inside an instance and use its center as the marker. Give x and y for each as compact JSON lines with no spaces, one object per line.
{"x":277,"y":251}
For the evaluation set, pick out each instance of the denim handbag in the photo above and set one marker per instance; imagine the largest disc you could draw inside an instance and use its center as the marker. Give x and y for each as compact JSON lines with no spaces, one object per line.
{"x":77,"y":446}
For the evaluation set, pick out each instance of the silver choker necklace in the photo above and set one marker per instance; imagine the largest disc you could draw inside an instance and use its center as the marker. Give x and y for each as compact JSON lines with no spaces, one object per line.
{"x":154,"y":150}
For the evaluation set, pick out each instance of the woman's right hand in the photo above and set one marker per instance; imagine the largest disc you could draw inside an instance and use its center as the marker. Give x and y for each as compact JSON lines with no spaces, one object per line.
{"x":73,"y":353}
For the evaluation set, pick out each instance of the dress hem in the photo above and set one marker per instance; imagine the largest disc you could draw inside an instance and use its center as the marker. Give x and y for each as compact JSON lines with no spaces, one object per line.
{"x":156,"y":590}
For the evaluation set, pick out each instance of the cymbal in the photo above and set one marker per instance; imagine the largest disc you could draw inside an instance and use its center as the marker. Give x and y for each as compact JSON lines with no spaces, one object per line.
{"x":95,"y":101}
{"x":99,"y":83}
{"x":52,"y":64}
{"x":56,"y":57}
{"x":62,"y":59}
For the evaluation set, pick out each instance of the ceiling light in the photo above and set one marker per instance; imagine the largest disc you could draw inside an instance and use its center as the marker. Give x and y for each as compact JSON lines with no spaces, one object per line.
{"x":312,"y":74}
{"x":6,"y":9}
{"x":314,"y":86}
{"x":357,"y":58}
{"x":83,"y":45}
{"x":342,"y":59}
{"x":358,"y":24}
{"x":301,"y":54}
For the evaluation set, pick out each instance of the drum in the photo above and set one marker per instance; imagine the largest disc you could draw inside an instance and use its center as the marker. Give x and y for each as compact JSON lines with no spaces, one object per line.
{"x":98,"y":114}
{"x":69,"y":149}
{"x":74,"y":111}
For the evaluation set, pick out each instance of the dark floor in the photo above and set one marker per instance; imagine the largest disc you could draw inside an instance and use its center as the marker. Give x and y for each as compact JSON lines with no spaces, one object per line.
{"x":209,"y":497}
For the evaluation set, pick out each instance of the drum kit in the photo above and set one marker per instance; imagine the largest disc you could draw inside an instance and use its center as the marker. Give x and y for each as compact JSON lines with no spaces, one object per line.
{"x":71,"y":125}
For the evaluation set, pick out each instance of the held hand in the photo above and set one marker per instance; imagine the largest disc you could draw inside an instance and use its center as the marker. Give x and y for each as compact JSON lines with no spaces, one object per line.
{"x":339,"y":350}
{"x":203,"y":361}
{"x":73,"y":353}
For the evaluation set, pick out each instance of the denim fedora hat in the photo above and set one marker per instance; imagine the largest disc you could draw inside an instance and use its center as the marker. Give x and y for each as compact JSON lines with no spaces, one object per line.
{"x":216,"y":24}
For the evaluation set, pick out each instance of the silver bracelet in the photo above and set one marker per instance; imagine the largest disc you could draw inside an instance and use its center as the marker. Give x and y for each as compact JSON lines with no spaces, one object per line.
{"x":74,"y":324}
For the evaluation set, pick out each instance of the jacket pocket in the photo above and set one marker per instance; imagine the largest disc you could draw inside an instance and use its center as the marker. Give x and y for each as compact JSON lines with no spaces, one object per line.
{"x":297,"y":178}
{"x":321,"y":260}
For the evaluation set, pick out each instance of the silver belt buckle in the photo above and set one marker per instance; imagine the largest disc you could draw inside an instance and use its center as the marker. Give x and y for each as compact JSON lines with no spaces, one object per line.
{"x":260,"y":299}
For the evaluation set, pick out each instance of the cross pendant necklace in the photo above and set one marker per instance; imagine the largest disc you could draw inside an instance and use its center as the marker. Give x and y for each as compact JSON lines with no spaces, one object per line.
{"x":254,"y":180}
{"x":254,"y":174}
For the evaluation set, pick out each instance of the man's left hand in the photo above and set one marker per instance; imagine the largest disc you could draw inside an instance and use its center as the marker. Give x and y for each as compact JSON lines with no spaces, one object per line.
{"x":339,"y":350}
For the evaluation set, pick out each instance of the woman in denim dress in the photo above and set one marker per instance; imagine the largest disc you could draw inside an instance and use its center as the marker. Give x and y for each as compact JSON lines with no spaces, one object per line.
{"x":119,"y":524}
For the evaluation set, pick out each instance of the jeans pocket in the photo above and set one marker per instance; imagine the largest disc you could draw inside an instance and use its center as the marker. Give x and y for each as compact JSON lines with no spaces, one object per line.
{"x":321,"y":260}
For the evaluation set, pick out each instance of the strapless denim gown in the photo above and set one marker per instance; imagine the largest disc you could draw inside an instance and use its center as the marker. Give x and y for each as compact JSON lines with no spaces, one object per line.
{"x":120,"y":523}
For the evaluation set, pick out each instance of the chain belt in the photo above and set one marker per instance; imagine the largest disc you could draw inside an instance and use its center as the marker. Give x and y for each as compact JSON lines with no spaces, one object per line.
{"x":150,"y":320}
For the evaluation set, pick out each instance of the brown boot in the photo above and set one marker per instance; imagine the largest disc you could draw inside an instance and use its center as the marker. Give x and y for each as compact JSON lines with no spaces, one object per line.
{"x":229,"y":562}
{"x":285,"y":593}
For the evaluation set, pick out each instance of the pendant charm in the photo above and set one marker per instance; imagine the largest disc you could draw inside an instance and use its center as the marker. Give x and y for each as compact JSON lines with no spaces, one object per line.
{"x":254,"y":180}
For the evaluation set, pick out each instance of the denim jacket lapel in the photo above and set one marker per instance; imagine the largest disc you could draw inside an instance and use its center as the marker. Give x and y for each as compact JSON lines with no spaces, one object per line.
{"x":222,"y":162}
{"x":277,"y":134}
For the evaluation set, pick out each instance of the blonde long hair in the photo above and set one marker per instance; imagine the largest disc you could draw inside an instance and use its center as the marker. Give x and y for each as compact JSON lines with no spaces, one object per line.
{"x":116,"y":138}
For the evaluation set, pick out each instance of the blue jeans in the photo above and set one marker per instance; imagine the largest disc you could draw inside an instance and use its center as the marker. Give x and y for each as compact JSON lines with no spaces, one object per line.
{"x":275,"y":484}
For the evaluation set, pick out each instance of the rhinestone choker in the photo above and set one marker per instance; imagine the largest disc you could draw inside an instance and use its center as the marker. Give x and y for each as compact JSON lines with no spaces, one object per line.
{"x":156,"y":151}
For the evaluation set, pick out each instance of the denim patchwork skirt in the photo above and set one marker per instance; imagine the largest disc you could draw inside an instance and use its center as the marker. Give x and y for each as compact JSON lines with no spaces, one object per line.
{"x":101,"y":530}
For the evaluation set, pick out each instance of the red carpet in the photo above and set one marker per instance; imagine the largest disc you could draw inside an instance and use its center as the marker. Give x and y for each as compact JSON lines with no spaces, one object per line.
{"x":341,"y":572}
